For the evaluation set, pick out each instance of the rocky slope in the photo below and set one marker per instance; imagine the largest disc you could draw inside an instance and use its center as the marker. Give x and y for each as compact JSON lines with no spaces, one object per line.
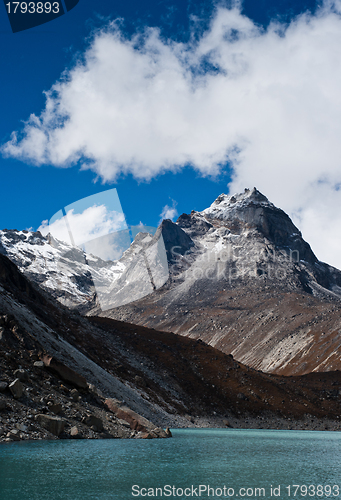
{"x":247,"y":283}
{"x":66,"y":376}
{"x":43,"y":375}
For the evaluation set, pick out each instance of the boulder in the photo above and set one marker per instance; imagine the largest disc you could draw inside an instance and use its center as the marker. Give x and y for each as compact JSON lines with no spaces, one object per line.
{"x":14,"y":435}
{"x":226,"y":423}
{"x":3,"y":386}
{"x":168,"y":432}
{"x":136,"y":421}
{"x":2,"y":404}
{"x":74,"y":395}
{"x":242,"y":396}
{"x":22,"y":375}
{"x":144,"y":435}
{"x":56,"y":408}
{"x":94,"y":422}
{"x":55,"y":425}
{"x":123,"y":422}
{"x":38,"y":364}
{"x":75,"y":433}
{"x":66,"y":373}
{"x":95,"y":391}
{"x":16,"y":388}
{"x":158,"y":433}
{"x":22,"y":427}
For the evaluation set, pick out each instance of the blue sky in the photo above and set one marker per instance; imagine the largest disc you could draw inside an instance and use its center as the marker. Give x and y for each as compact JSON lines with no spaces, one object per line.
{"x":190,"y":175}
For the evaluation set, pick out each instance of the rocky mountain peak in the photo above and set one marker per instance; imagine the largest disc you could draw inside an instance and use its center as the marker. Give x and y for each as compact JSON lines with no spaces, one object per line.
{"x":251,"y":210}
{"x":225,"y":201}
{"x":248,"y":207}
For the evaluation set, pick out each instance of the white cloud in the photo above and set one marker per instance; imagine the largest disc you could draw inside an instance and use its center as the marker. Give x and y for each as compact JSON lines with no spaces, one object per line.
{"x":273,"y":110}
{"x":94,"y":222}
{"x":169,"y":212}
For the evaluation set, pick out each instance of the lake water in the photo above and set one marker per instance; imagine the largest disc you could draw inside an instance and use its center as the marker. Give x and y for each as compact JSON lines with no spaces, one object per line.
{"x":239,"y":460}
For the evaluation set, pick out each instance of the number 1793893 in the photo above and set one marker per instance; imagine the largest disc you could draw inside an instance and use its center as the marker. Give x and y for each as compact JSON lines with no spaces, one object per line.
{"x":33,"y":7}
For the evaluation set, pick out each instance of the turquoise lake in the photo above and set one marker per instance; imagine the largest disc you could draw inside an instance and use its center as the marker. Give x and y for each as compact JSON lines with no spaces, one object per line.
{"x":239,"y":460}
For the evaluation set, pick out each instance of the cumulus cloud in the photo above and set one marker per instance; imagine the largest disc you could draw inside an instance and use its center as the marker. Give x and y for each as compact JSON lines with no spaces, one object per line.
{"x":266,"y":101}
{"x":93,"y":223}
{"x":169,"y":212}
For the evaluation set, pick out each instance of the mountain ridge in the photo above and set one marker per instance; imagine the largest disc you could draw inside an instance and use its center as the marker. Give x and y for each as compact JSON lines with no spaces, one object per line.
{"x":239,"y":276}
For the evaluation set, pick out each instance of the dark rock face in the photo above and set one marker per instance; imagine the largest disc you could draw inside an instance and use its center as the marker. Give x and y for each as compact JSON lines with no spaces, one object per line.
{"x":275,"y":225}
{"x":193,"y":225}
{"x":176,"y":241}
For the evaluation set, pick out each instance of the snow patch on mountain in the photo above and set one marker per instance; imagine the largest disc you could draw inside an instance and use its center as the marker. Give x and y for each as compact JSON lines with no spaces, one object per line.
{"x":225,"y":206}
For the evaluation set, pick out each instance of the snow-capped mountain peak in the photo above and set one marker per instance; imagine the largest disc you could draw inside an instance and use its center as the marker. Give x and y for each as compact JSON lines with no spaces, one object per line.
{"x":225,"y":205}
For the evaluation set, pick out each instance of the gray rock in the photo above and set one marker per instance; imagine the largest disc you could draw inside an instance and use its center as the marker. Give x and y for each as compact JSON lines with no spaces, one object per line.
{"x":22,"y":427}
{"x":2,"y":404}
{"x":241,"y":395}
{"x":16,"y":388}
{"x":158,"y":432}
{"x":22,"y":375}
{"x":66,"y":373}
{"x":95,"y":391}
{"x":75,"y":433}
{"x":123,"y":422}
{"x":93,"y":421}
{"x":55,"y":425}
{"x":14,"y":435}
{"x":38,"y":364}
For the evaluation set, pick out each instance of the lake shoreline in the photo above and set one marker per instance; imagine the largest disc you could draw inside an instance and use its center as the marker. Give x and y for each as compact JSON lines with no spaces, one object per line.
{"x":25,"y":427}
